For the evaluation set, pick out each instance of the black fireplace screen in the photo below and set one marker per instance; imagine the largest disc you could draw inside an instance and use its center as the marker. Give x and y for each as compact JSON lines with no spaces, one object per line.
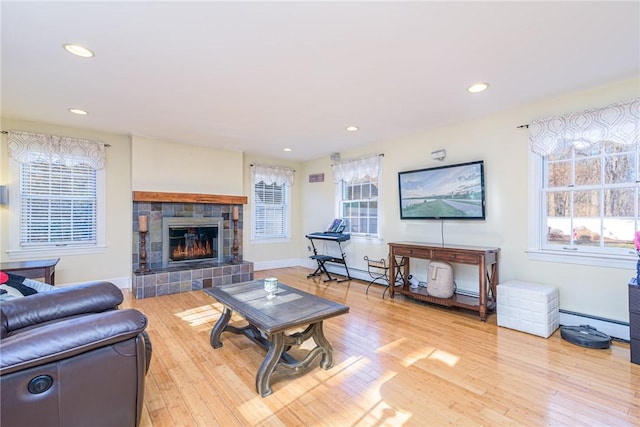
{"x":193,"y":243}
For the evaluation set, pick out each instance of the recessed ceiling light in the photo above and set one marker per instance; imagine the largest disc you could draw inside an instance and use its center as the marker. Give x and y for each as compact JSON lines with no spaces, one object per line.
{"x":352,"y":128}
{"x":78,"y":50}
{"x":287,"y":149}
{"x":478,"y":87}
{"x":78,"y":111}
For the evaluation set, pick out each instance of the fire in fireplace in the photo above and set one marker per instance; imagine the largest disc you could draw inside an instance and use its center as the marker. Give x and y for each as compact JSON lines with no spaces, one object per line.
{"x":186,"y":243}
{"x":191,"y":239}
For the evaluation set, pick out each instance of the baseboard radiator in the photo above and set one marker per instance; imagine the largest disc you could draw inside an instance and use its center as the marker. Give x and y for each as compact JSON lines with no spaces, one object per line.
{"x":614,"y":328}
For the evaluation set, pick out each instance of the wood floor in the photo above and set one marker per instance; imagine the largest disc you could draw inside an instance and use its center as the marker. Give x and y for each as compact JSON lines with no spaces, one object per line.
{"x":397,"y":363}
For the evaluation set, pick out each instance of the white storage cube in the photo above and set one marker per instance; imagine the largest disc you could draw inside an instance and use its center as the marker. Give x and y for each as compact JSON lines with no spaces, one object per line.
{"x":528,"y":307}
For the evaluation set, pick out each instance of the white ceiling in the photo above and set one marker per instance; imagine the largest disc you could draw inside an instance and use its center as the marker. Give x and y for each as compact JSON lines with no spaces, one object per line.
{"x":262,"y":76}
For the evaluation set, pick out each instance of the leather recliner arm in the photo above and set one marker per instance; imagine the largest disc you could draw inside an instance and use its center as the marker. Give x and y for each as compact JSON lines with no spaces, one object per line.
{"x":67,"y":338}
{"x":91,"y":297}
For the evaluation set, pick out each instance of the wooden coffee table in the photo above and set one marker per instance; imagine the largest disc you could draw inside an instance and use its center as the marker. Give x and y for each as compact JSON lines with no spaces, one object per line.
{"x":270,"y":319}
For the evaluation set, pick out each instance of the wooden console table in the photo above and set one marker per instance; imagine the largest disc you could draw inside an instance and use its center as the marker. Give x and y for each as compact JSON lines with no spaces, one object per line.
{"x":485,"y":258}
{"x":43,"y":269}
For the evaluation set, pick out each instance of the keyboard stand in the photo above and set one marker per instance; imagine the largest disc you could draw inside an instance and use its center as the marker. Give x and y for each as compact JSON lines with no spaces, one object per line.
{"x":323,"y":259}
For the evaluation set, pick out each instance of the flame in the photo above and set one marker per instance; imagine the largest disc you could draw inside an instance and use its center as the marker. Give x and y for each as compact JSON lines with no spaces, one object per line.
{"x":196,"y":250}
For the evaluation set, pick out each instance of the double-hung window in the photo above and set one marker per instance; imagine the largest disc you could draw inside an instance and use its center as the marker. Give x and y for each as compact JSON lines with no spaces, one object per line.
{"x":359,"y":195}
{"x":586,"y":192}
{"x":58,"y":197}
{"x":271,"y":202}
{"x":359,"y":206}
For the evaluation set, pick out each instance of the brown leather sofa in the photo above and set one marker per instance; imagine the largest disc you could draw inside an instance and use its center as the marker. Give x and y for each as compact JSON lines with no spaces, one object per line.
{"x":71,"y":358}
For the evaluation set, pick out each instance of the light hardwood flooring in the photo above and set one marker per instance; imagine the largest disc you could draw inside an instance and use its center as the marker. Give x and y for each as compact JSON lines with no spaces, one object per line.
{"x":396,"y":363}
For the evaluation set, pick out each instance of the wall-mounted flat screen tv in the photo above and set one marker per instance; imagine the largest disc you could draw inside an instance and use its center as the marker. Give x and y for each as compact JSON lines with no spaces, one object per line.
{"x":444,"y":192}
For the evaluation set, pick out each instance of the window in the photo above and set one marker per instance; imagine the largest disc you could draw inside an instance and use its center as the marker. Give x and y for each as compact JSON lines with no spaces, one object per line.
{"x":359,"y":207}
{"x":57,"y":202}
{"x":358,"y":195}
{"x":271,"y":195}
{"x":586,"y":187}
{"x":58,"y":205}
{"x":591,"y":198}
{"x":271,"y":219}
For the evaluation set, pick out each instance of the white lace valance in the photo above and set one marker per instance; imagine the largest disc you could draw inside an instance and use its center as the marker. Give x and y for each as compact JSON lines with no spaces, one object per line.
{"x":272,"y":175}
{"x":25,"y":147}
{"x":357,"y":169}
{"x":618,"y":123}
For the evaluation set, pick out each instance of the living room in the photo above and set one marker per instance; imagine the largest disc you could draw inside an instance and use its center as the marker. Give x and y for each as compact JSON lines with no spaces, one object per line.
{"x":591,"y":289}
{"x":140,"y":165}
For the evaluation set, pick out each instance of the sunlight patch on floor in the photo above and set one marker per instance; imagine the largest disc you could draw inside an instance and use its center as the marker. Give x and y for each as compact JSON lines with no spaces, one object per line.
{"x":379,"y":411}
{"x":383,"y":414}
{"x":199,"y":315}
{"x":340,"y":370}
{"x":445,"y":357}
{"x":417,"y":355}
{"x":402,"y":349}
{"x":392,"y":346}
{"x":256,"y":411}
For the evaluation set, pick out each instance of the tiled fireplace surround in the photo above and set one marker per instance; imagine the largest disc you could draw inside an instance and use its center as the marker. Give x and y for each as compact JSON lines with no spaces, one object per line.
{"x":189,"y":276}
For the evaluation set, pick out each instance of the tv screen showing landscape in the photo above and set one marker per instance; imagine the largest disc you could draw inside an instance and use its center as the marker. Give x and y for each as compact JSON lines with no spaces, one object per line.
{"x":445,"y":192}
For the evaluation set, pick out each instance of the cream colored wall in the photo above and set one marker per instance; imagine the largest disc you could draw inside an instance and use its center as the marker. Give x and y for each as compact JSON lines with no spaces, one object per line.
{"x":495,"y":139}
{"x":503,"y":147}
{"x":115,"y":262}
{"x":281,"y":253}
{"x":181,"y":168}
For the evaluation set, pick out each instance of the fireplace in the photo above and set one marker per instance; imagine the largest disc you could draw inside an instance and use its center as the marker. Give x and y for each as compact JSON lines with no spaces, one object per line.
{"x":189,"y":240}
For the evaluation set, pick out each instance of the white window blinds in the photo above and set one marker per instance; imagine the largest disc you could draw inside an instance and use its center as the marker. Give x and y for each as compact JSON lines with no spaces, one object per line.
{"x":58,"y":205}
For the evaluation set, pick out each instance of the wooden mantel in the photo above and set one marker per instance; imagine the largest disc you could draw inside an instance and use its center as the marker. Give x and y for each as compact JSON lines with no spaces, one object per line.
{"x":154,"y":196}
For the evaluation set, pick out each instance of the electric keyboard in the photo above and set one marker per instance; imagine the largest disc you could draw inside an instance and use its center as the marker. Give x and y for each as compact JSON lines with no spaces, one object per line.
{"x":340,"y":237}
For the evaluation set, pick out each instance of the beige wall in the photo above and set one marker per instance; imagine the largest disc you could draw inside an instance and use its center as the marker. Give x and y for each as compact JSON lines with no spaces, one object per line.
{"x":115,"y":263}
{"x":495,"y":139}
{"x":181,"y":168}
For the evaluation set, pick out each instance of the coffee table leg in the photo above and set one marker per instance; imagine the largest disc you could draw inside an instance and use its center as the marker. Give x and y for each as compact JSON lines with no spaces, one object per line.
{"x":269,"y":364}
{"x":321,"y":341}
{"x":219,"y":327}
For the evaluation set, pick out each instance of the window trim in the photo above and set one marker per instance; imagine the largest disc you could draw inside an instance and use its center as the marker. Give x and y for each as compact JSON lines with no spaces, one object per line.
{"x":536,"y":251}
{"x":254,"y":205}
{"x":15,"y":252}
{"x":362,"y":236}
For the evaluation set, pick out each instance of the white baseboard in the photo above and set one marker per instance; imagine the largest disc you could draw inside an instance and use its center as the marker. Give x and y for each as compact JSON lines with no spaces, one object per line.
{"x":120,"y":282}
{"x":613,"y":328}
{"x":280,"y":263}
